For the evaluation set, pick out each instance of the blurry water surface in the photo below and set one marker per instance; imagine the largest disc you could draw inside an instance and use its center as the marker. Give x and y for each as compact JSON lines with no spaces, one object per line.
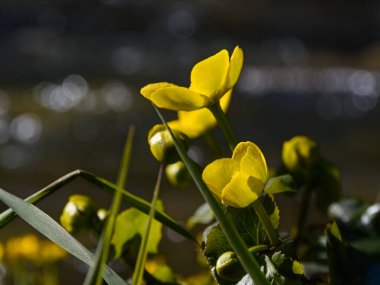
{"x":71,"y":72}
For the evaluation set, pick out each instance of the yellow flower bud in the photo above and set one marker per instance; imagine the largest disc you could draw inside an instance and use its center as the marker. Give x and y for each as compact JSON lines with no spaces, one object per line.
{"x":78,"y":213}
{"x":162,"y":145}
{"x":177,"y":174}
{"x":300,"y":154}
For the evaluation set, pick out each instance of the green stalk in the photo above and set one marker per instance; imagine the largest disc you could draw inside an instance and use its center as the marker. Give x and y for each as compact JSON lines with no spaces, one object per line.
{"x":224,"y":125}
{"x":212,"y":143}
{"x":230,"y":136}
{"x":265,"y":221}
{"x":95,"y":274}
{"x":140,"y":263}
{"x":305,"y":203}
{"x":247,"y":260}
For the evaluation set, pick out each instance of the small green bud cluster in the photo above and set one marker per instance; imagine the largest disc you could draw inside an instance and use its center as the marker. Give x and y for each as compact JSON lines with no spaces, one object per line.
{"x":80,"y":213}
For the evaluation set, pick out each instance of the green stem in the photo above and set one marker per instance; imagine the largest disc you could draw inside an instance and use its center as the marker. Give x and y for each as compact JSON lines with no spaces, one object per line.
{"x":306,"y":197}
{"x":265,"y":221}
{"x":95,"y":273}
{"x":224,"y":125}
{"x":258,"y":248}
{"x":138,"y":274}
{"x":212,"y":143}
{"x":229,"y":134}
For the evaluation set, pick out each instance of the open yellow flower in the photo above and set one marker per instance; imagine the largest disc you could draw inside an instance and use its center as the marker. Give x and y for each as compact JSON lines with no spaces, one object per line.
{"x":210,"y":80}
{"x":195,"y":123}
{"x":238,"y":181}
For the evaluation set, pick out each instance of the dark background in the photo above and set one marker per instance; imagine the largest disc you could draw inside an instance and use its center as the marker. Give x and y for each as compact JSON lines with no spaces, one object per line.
{"x":71,"y":71}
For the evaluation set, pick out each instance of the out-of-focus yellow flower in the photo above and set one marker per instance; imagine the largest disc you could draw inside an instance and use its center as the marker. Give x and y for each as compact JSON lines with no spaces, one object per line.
{"x":195,"y":123}
{"x":238,"y":181}
{"x":50,"y":252}
{"x":29,"y":247}
{"x":210,"y":80}
{"x":300,"y":154}
{"x":26,"y":247}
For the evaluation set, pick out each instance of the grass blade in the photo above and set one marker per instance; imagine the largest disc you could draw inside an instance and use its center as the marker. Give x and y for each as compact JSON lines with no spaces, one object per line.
{"x":140,"y":263}
{"x":130,"y":199}
{"x":247,"y":260}
{"x":53,"y":231}
{"x":94,"y":275}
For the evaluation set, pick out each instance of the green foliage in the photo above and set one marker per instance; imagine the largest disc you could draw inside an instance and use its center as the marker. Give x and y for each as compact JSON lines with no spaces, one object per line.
{"x":53,"y":231}
{"x":203,"y":215}
{"x":353,"y":244}
{"x":280,"y":184}
{"x":132,"y":222}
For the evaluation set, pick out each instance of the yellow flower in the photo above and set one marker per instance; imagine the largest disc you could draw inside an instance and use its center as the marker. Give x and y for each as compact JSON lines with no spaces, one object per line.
{"x":210,"y":80}
{"x":195,"y":123}
{"x":300,"y":154}
{"x":50,"y":252}
{"x":238,"y":181}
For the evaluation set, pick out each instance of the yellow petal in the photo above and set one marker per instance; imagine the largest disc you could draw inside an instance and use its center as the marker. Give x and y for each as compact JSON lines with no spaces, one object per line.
{"x":208,"y":77}
{"x":236,"y":65}
{"x":253,"y":163}
{"x":195,"y":123}
{"x":178,"y":99}
{"x":225,"y":101}
{"x":218,"y":174}
{"x":147,"y":90}
{"x":238,"y":193}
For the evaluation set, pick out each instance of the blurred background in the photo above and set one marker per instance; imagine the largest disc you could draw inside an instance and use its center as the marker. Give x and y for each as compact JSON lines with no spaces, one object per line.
{"x":71,"y":71}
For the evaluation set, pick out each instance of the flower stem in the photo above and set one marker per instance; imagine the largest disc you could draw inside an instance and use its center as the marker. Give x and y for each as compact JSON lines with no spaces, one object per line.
{"x":265,"y":221}
{"x":234,"y":238}
{"x":306,"y":197}
{"x":230,"y":136}
{"x":224,"y":125}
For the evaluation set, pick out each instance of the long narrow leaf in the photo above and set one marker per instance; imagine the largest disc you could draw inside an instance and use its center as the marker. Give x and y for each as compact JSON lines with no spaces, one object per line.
{"x":140,"y":263}
{"x":130,"y":199}
{"x":94,"y":275}
{"x":248,"y":261}
{"x":53,"y":231}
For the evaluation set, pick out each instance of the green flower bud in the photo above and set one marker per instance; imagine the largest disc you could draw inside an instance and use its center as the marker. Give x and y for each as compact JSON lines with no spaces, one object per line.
{"x":78,"y":213}
{"x":162,"y":145}
{"x":177,"y":174}
{"x":228,"y":267}
{"x":300,"y":154}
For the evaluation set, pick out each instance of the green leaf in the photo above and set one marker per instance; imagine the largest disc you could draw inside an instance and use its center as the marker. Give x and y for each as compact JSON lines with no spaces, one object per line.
{"x":248,"y":223}
{"x":130,"y":199}
{"x":214,"y":243}
{"x":203,"y":215}
{"x":94,"y":275}
{"x":53,"y":231}
{"x":132,"y":222}
{"x":280,"y":184}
